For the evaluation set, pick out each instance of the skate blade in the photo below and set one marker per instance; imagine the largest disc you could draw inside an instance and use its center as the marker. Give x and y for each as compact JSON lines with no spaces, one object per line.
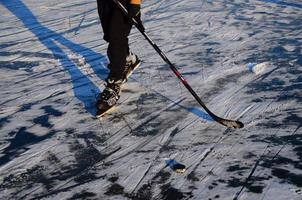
{"x":128,"y":75}
{"x":109,"y":111}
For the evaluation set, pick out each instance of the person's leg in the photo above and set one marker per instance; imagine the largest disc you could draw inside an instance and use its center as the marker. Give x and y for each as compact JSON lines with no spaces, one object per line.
{"x":118,"y":48}
{"x":116,"y":31}
{"x":105,"y":8}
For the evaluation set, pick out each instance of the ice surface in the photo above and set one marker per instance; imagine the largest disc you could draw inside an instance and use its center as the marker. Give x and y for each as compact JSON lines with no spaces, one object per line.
{"x":53,"y":65}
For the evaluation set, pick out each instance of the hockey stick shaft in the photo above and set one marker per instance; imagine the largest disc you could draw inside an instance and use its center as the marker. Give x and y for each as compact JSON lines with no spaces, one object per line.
{"x":225,"y":122}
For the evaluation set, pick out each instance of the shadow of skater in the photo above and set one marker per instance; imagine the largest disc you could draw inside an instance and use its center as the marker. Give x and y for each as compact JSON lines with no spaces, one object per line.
{"x":83,"y":88}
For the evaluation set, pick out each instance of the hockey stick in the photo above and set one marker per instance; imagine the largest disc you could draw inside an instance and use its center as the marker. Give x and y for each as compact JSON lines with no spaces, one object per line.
{"x":226,"y":122}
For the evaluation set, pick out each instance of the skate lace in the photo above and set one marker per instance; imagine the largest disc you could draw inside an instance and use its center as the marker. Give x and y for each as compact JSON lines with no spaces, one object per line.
{"x":128,"y":67}
{"x":110,"y":95}
{"x":130,"y":61}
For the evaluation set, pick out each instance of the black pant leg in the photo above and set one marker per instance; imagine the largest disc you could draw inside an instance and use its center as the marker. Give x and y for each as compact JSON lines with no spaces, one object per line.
{"x":116,"y":31}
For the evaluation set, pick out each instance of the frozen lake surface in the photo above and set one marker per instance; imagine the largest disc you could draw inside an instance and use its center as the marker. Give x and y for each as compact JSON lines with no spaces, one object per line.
{"x":242,"y":57}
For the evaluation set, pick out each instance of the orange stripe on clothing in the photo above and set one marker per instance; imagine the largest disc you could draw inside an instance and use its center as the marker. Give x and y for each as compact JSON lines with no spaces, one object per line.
{"x":138,"y":2}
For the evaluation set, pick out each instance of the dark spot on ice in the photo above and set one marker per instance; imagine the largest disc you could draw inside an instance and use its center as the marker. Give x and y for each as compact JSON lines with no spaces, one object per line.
{"x":20,"y":143}
{"x":161,"y":177}
{"x":170,"y":193}
{"x":257,"y":100}
{"x":210,"y":43}
{"x":282,"y":160}
{"x":25,"y":107}
{"x":52,"y":158}
{"x":249,"y":155}
{"x":44,"y":119}
{"x":192,"y":176}
{"x":253,"y":184}
{"x":87,"y":156}
{"x":3,"y":121}
{"x":214,"y":183}
{"x":253,"y":137}
{"x":190,"y":73}
{"x":113,"y":179}
{"x":85,"y":177}
{"x":235,"y":182}
{"x":92,"y":137}
{"x":167,"y":147}
{"x":256,"y":188}
{"x":82,"y":195}
{"x":293,"y":140}
{"x":31,"y":176}
{"x":145,"y":151}
{"x":144,"y":193}
{"x":298,"y":151}
{"x":236,"y":167}
{"x":69,"y":130}
{"x":115,"y":189}
{"x":192,"y":187}
{"x":51,"y":111}
{"x":221,"y":181}
{"x":288,"y":176}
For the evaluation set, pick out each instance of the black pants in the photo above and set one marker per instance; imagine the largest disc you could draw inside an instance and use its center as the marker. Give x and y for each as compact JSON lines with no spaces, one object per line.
{"x":116,"y":28}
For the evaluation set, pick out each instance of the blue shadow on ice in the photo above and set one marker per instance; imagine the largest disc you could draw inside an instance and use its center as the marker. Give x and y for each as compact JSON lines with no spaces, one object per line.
{"x":199,"y":113}
{"x":84,"y":89}
{"x":283,"y":3}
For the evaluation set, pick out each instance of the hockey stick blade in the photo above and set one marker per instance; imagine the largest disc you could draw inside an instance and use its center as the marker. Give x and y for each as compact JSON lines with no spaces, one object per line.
{"x":230,"y":123}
